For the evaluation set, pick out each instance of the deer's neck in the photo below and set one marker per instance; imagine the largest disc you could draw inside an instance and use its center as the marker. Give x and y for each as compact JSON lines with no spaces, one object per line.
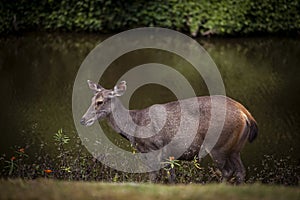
{"x":120,"y":120}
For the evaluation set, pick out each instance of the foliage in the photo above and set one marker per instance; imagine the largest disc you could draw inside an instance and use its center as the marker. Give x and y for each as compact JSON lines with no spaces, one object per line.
{"x":61,"y":138}
{"x":282,"y":173}
{"x":225,"y":17}
{"x":71,"y":162}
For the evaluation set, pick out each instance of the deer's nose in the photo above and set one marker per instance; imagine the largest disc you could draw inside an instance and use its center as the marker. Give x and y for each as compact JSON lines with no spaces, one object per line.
{"x":82,"y":121}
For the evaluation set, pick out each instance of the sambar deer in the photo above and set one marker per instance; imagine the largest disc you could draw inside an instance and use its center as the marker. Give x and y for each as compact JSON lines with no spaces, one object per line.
{"x":239,"y":125}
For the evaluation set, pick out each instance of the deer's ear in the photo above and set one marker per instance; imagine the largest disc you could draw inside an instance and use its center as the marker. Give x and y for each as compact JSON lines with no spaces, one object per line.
{"x":119,"y":90}
{"x":94,"y":86}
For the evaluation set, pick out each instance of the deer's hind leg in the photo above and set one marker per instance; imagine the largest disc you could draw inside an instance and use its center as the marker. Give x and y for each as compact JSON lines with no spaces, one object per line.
{"x":223,"y":164}
{"x":239,"y":170}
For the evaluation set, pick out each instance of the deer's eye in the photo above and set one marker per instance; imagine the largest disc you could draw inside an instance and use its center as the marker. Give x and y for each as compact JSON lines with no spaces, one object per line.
{"x":99,"y":103}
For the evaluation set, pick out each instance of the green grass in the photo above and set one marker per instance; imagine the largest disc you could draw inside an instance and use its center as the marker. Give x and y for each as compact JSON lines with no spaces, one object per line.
{"x":53,"y":189}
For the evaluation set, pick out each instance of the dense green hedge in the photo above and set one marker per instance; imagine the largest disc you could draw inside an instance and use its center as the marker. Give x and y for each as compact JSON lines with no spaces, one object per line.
{"x":193,"y":16}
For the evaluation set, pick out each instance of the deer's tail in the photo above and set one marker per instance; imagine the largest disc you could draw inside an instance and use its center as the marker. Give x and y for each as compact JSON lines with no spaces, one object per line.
{"x":253,"y":132}
{"x":252,"y":126}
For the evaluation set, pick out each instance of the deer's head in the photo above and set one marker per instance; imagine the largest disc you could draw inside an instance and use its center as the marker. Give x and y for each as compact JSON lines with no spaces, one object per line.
{"x":101,"y":102}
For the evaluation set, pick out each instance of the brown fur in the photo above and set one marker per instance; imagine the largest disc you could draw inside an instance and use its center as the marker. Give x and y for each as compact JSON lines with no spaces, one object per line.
{"x":239,"y":126}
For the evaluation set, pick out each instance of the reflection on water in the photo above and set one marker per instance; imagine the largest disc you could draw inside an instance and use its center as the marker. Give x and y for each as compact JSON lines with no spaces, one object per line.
{"x":37,"y":74}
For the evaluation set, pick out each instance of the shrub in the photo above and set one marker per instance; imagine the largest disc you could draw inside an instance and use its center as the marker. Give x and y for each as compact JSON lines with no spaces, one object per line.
{"x":225,"y":17}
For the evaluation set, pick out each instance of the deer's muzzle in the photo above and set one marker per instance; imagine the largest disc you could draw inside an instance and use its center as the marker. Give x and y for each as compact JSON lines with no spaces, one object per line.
{"x":85,"y":122}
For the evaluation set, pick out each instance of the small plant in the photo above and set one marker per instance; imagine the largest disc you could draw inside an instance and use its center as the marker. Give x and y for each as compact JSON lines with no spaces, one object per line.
{"x":196,"y":163}
{"x":171,"y":163}
{"x":169,"y":167}
{"x":116,"y":177}
{"x":133,"y":149}
{"x":11,"y":165}
{"x":15,"y":165}
{"x":61,"y":138}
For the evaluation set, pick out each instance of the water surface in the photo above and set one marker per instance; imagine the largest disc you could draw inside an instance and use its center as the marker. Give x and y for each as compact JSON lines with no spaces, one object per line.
{"x":37,"y":72}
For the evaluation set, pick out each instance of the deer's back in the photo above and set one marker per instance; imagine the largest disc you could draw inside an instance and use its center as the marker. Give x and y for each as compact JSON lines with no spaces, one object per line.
{"x":229,"y":137}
